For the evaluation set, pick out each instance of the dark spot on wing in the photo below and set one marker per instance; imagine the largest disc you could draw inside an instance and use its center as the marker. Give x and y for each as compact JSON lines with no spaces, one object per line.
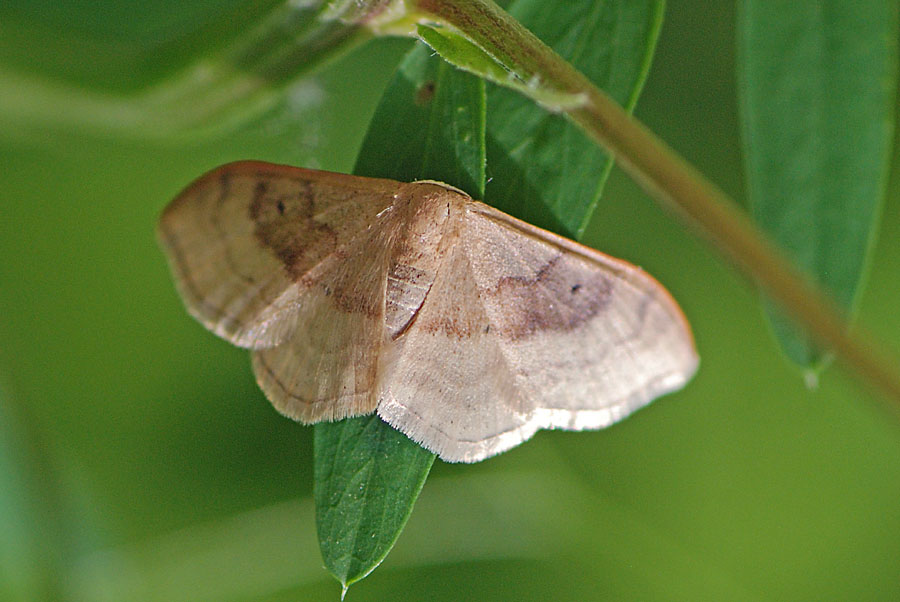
{"x":259,"y":195}
{"x":283,"y":212}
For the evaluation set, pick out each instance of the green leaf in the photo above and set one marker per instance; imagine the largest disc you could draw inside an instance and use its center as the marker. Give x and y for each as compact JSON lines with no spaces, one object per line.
{"x":817,"y":83}
{"x":430,"y":124}
{"x":367,"y":478}
{"x":219,"y":87}
{"x":461,"y":52}
{"x":544,"y":169}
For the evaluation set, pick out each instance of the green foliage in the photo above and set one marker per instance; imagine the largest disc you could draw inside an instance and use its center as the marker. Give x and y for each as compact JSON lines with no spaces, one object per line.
{"x":429,"y":125}
{"x":207,"y":87}
{"x":463,"y":53}
{"x":367,"y":477}
{"x":744,"y":486}
{"x":817,"y":84}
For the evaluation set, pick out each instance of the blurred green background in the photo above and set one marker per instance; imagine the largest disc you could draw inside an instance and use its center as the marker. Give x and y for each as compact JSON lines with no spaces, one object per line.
{"x":138,"y":460}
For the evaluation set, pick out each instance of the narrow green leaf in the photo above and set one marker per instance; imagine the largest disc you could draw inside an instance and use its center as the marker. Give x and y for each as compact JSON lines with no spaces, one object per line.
{"x":367,"y":478}
{"x":461,"y":52}
{"x":543,"y":169}
{"x":430,"y":124}
{"x":817,"y":83}
{"x":215,"y":90}
{"x":458,"y":50}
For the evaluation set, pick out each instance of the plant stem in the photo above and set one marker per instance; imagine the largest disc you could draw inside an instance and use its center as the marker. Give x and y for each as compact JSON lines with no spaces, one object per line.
{"x":211,"y":93}
{"x":667,"y":177}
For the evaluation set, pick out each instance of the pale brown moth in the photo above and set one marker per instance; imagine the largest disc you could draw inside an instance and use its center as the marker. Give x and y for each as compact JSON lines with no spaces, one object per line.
{"x":463,"y":327}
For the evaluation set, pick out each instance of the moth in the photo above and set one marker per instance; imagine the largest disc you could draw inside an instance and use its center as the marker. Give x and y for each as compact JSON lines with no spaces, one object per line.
{"x":463,"y":327}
